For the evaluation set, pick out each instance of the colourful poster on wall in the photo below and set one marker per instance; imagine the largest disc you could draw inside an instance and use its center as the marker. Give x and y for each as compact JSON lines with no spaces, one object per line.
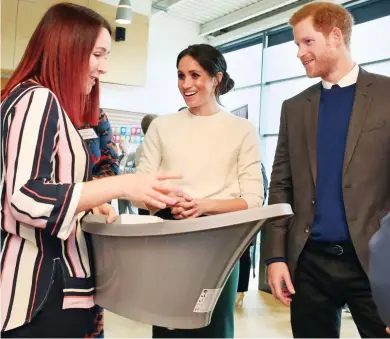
{"x":130,"y":136}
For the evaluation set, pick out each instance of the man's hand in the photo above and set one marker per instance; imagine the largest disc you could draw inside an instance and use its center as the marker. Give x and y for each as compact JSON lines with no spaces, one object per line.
{"x":278,"y":275}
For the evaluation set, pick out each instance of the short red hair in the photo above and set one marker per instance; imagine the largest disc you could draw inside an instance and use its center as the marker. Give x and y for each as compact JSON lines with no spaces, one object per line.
{"x":326,"y":16}
{"x":57,"y":55}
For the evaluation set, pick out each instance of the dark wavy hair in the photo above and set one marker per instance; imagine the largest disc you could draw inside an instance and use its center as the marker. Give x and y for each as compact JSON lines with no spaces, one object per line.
{"x":212,"y":61}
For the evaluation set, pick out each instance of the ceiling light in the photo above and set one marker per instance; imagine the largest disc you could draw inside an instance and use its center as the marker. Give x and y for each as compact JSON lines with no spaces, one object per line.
{"x":124,"y":13}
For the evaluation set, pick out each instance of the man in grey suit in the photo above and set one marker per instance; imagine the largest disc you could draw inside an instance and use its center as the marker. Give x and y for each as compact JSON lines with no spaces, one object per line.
{"x":332,"y":164}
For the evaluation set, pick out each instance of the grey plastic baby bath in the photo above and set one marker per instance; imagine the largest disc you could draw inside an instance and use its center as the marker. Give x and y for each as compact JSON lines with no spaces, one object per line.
{"x":171,"y":273}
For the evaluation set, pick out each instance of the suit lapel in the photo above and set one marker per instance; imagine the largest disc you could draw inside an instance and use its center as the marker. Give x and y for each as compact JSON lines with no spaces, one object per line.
{"x":311,"y":126}
{"x":359,"y":114}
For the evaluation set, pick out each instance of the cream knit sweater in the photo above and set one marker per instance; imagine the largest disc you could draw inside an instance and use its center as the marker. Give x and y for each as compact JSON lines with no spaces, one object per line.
{"x":218,"y":155}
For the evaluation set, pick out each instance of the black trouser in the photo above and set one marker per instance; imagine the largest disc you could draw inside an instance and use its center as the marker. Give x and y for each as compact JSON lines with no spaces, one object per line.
{"x":245,"y":271}
{"x":143,"y":212}
{"x":327,"y":277}
{"x":54,"y":322}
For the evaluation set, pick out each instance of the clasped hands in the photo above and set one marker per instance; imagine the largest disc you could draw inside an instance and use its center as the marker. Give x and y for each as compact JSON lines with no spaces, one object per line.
{"x":187,"y":207}
{"x":150,"y":191}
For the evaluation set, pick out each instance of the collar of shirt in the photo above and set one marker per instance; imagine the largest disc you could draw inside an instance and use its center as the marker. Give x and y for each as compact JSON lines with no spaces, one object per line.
{"x":348,"y":80}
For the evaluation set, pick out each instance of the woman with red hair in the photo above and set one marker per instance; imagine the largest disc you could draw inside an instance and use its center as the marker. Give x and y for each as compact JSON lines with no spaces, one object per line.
{"x":47,"y":282}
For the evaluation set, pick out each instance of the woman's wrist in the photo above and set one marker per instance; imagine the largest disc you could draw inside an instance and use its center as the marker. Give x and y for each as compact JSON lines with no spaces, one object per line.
{"x":207,"y":206}
{"x":117,"y":185}
{"x":218,"y":206}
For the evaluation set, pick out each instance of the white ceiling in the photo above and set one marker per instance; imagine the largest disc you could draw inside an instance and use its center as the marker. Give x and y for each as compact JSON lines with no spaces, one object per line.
{"x":202,"y":11}
{"x":222,"y":21}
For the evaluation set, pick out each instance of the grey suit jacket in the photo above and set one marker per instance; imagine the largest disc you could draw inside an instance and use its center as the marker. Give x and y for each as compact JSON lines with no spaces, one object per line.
{"x":379,"y":274}
{"x":366,"y":169}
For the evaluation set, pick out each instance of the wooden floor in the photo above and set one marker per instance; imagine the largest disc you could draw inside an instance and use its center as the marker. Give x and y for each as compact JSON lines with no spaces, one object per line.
{"x":259,"y":317}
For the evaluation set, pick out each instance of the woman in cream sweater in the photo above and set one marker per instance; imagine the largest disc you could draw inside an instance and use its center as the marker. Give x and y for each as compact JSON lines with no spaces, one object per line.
{"x":218,"y":155}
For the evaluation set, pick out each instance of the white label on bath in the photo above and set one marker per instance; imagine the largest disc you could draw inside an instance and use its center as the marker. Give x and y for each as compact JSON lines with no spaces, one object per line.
{"x":207,"y":300}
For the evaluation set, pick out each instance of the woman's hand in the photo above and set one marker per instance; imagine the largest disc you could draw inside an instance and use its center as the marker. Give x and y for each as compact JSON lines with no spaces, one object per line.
{"x":194,"y":208}
{"x":107,"y":210}
{"x":179,"y":196}
{"x":150,"y":190}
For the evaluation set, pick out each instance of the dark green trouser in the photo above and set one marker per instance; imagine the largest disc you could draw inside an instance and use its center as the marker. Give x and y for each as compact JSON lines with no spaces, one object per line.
{"x":222,"y":320}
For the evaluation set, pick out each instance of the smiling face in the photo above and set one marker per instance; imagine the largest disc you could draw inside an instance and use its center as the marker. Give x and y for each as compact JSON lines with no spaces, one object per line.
{"x":317,"y":52}
{"x":196,"y":86}
{"x":98,"y":58}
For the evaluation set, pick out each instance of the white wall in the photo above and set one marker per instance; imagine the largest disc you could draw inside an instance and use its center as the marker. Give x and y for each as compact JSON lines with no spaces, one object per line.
{"x":168,"y":36}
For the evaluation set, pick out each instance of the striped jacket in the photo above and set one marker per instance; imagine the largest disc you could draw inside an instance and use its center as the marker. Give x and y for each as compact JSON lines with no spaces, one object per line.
{"x":44,"y":163}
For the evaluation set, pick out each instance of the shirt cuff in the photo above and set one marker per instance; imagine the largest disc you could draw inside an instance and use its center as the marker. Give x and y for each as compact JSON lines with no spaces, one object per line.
{"x":277,"y":259}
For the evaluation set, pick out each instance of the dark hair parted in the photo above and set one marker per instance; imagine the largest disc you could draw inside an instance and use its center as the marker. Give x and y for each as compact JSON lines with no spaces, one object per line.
{"x":212,"y":61}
